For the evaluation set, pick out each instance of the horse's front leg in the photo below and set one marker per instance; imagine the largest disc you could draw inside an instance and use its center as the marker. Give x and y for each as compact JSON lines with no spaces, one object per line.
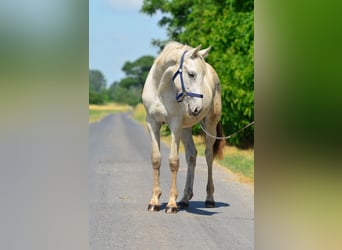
{"x":154,"y":130}
{"x":190,"y":154}
{"x":174,"y":166}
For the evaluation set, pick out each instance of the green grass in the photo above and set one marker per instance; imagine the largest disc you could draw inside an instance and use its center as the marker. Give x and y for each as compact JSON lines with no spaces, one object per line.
{"x":240,"y":162}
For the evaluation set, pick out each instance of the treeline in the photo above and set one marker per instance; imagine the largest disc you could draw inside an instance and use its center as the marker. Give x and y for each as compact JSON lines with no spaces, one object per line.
{"x":127,"y":90}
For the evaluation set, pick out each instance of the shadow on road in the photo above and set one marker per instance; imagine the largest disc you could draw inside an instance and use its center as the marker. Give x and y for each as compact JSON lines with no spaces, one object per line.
{"x":198,"y":207}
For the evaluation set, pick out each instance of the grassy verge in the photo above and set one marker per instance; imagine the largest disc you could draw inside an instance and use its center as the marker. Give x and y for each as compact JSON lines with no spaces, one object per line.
{"x":97,"y":112}
{"x":240,"y":162}
{"x":139,"y":113}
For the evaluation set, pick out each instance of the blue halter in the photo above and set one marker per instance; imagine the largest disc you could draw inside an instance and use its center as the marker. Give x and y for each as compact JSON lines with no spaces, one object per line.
{"x":184,"y":93}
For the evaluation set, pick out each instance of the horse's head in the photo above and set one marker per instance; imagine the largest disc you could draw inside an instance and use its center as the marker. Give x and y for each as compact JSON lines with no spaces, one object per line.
{"x":189,"y":84}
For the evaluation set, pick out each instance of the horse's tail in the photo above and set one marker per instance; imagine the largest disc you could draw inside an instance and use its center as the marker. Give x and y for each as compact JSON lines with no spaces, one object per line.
{"x":219,"y":143}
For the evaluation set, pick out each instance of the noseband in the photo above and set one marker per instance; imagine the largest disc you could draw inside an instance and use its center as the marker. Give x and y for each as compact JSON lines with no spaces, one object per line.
{"x":184,"y":93}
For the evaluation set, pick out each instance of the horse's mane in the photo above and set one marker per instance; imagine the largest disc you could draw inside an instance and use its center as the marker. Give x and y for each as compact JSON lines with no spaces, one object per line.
{"x":169,"y":55}
{"x":173,"y":45}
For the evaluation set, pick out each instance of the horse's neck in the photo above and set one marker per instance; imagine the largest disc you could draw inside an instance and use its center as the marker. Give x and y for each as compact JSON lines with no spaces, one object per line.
{"x":168,"y":60}
{"x":166,"y":66}
{"x":165,"y":84}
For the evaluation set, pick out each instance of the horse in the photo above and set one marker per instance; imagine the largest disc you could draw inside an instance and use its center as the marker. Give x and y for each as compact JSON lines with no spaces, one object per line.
{"x":180,"y":90}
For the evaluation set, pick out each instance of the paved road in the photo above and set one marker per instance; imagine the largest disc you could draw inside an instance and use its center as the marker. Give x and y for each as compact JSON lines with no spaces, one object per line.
{"x":120,"y":186}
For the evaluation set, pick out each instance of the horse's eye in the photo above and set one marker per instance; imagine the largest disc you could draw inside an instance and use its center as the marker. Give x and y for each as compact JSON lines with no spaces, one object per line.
{"x":192,"y":75}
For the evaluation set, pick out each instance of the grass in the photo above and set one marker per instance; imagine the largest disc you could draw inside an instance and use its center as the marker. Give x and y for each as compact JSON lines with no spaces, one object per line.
{"x":97,"y":112}
{"x":238,"y":161}
{"x":139,"y":113}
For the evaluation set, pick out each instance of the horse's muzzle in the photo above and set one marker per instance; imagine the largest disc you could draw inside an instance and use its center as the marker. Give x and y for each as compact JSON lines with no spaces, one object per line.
{"x":195,"y":111}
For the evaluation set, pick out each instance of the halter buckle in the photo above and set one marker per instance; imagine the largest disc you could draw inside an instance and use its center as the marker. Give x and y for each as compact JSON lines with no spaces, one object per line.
{"x":180,"y":97}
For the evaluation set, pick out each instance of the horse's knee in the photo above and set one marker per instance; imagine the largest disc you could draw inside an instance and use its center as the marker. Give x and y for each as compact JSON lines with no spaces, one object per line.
{"x":174,"y":163}
{"x":156,"y":160}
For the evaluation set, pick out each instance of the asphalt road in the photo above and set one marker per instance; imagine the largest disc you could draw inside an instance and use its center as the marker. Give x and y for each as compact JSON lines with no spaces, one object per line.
{"x":120,"y":187}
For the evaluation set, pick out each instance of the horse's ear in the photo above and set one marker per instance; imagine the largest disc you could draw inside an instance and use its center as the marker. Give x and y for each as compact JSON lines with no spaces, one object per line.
{"x":204,"y":52}
{"x":193,"y":52}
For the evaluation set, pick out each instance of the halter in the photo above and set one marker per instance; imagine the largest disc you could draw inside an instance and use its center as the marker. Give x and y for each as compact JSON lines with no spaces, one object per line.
{"x":184,"y":93}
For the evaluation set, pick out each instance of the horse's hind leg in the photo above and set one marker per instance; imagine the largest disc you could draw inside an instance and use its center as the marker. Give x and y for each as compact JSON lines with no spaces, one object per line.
{"x":210,"y":126}
{"x":154,"y":130}
{"x":190,"y":155}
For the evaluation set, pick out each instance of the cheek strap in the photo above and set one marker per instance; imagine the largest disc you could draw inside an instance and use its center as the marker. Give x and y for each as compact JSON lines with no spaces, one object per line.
{"x":180,"y":96}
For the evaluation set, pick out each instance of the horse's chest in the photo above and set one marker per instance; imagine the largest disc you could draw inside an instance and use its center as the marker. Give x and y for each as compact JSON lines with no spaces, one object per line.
{"x":189,"y":121}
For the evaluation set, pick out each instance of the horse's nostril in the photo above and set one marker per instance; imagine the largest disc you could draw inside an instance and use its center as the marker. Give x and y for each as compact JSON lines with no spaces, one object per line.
{"x":196,"y":110}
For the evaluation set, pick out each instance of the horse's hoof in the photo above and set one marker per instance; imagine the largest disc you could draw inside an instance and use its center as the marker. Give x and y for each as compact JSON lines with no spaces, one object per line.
{"x":183,"y":204}
{"x":171,"y":210}
{"x":153,"y":208}
{"x":209,"y":204}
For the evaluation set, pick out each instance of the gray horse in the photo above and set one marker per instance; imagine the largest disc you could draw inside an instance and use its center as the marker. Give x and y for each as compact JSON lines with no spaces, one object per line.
{"x":181,"y":90}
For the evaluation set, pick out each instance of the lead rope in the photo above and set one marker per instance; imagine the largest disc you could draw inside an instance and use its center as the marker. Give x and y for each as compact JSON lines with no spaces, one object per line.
{"x":226,"y":137}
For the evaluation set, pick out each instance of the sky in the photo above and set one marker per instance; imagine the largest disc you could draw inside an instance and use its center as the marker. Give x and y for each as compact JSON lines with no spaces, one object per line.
{"x":118,"y":33}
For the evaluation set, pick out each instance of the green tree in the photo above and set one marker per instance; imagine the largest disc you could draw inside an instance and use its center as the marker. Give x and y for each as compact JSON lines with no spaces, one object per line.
{"x":97,"y":87}
{"x":128,"y":90}
{"x":97,"y":82}
{"x":228,"y":27}
{"x":138,"y":70}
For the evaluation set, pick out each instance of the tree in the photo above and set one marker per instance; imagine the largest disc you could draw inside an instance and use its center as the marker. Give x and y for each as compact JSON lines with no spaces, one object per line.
{"x":129,"y":89}
{"x":228,"y":27}
{"x":97,"y":82}
{"x":97,"y":87}
{"x":138,"y":70}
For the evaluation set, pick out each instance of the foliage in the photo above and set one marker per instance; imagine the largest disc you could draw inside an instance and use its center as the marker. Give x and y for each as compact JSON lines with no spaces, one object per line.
{"x":137,"y":71}
{"x":129,"y":89}
{"x":119,"y":94}
{"x":97,"y":82}
{"x":97,"y":87}
{"x":97,"y":98}
{"x":228,"y":27}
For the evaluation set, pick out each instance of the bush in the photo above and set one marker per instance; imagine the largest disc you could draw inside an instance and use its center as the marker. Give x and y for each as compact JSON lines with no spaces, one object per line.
{"x":97,"y":98}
